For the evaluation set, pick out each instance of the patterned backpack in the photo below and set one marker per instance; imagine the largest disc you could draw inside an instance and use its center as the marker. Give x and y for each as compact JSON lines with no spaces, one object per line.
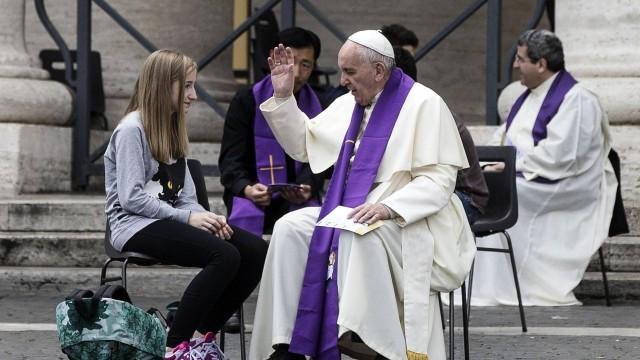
{"x":105,"y":325}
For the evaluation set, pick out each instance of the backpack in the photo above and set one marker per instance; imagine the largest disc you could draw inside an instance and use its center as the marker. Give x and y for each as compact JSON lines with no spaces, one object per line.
{"x":106,"y":325}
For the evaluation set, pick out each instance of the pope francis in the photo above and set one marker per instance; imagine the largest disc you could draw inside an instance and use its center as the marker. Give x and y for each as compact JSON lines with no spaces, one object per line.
{"x":396,"y":151}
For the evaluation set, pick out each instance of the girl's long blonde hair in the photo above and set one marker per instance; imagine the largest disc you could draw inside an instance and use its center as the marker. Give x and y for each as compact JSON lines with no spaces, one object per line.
{"x":166,"y":130}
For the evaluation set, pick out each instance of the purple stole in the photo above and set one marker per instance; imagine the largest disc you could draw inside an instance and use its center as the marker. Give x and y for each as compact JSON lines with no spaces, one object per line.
{"x":271,"y":164}
{"x":316,"y":329}
{"x":552,"y":101}
{"x":550,"y":105}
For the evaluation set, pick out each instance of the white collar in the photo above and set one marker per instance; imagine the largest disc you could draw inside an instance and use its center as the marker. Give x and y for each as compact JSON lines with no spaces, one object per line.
{"x":374,"y":100}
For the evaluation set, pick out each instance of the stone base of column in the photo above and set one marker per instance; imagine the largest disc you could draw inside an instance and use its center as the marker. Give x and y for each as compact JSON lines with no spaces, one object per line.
{"x":37,"y":158}
{"x":34,"y":101}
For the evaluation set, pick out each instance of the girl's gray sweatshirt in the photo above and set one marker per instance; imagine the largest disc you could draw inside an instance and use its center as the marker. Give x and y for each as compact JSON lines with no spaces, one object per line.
{"x":132,"y":196}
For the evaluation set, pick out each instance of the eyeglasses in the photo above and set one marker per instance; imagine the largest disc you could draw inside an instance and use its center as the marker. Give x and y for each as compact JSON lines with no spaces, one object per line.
{"x":520,"y":60}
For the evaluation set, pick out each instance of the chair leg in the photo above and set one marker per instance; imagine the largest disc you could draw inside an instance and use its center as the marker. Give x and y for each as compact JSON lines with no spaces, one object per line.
{"x":468,"y":308}
{"x":103,"y":272}
{"x":243,"y":354}
{"x":222,"y":339}
{"x":451,"y":327}
{"x":605,"y":283}
{"x":125,"y":263}
{"x":441,"y":311}
{"x":465,"y":322}
{"x":515,"y":279}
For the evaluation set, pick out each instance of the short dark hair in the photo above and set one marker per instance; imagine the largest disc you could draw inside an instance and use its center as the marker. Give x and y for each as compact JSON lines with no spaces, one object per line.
{"x":543,"y":44}
{"x":406,"y":62}
{"x":299,"y":38}
{"x":399,"y":35}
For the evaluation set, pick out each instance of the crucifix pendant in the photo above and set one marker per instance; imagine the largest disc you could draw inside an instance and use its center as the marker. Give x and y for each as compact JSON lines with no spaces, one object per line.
{"x":271,"y":169}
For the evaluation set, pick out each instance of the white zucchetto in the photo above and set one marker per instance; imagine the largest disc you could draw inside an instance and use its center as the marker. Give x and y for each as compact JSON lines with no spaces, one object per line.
{"x":374,"y":40}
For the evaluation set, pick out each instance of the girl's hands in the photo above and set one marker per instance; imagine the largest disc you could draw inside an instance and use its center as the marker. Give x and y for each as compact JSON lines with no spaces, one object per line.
{"x":210,"y":222}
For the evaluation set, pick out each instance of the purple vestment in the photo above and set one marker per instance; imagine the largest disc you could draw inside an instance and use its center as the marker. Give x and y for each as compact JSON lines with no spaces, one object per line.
{"x":552,"y":101}
{"x":550,"y":105}
{"x":271,"y":164}
{"x":316,"y":329}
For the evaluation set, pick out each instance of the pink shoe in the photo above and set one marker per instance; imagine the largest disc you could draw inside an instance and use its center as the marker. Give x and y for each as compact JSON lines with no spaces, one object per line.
{"x":177,"y":352}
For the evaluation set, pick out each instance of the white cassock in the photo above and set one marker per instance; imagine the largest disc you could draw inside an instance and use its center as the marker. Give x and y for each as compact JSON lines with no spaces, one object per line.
{"x":560,"y":225}
{"x":394,"y":311}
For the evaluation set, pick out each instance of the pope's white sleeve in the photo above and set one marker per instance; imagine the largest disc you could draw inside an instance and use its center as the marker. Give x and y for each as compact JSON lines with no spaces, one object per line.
{"x":288,"y":124}
{"x":428,"y":192}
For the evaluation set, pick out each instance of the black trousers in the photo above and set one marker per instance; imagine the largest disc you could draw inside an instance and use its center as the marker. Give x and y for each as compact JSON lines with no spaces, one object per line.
{"x":231,"y":269}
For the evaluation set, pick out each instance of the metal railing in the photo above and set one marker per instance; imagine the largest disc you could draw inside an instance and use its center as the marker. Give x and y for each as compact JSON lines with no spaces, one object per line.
{"x":83,"y":162}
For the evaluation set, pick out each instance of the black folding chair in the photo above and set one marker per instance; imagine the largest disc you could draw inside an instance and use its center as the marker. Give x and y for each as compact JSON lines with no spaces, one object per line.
{"x":130,"y":257}
{"x":502,"y":211}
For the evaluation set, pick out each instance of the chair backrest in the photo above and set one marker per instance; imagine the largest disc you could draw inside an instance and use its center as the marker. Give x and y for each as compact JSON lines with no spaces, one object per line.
{"x":195,"y":168}
{"x":502,"y":211}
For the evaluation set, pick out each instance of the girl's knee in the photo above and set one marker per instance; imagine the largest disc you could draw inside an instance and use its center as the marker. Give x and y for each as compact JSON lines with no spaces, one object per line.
{"x":227,"y":256}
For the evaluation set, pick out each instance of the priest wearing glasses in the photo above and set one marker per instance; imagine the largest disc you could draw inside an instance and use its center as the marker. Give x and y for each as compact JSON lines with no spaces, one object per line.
{"x":566,"y":184}
{"x":396,"y":152}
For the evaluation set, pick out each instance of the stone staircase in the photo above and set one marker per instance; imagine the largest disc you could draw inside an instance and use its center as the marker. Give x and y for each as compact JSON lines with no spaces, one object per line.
{"x":54,"y":243}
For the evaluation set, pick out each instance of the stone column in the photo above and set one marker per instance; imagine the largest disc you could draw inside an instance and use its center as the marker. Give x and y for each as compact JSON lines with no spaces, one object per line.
{"x":601,"y":49}
{"x":26,"y":96}
{"x":28,"y":102}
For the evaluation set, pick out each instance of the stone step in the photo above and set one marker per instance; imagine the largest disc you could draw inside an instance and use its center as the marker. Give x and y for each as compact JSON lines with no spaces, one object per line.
{"x":73,"y":212}
{"x":621,"y":254}
{"x":171,"y":281}
{"x":80,"y":249}
{"x":86,"y":248}
{"x":63,"y":212}
{"x":632,"y":209}
{"x":141,"y":281}
{"x":54,"y":249}
{"x":623,"y":286}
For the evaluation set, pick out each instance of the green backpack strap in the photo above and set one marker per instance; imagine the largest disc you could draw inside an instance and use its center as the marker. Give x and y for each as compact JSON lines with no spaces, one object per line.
{"x":88,"y":309}
{"x":81,"y":293}
{"x":158,"y":314}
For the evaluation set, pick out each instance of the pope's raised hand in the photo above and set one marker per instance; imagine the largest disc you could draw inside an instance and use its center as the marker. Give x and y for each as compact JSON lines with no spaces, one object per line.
{"x":281,"y":65}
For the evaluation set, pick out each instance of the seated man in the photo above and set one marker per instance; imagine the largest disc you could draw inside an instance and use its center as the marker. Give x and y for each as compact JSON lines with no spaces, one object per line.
{"x":471,"y":186}
{"x":566,"y":186}
{"x":251,"y":158}
{"x":400,"y":36}
{"x":396,"y":152}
